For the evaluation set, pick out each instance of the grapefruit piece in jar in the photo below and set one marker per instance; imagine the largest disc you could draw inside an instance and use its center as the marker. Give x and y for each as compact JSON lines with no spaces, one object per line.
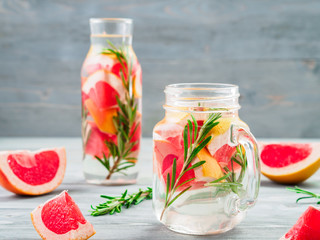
{"x":60,"y":218}
{"x":170,"y":132}
{"x":95,"y":143}
{"x":166,"y":140}
{"x":167,"y":169}
{"x":102,"y":117}
{"x":32,"y":173}
{"x":168,"y":145}
{"x":210,"y":170}
{"x":224,"y":155}
{"x":289,"y":163}
{"x":102,"y":88}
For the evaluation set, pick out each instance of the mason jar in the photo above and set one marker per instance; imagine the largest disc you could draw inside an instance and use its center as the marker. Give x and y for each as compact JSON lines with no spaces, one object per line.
{"x":206,"y":169}
{"x":111,"y":87}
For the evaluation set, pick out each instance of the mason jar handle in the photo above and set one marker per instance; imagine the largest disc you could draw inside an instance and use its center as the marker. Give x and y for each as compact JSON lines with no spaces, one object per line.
{"x":251,"y":183}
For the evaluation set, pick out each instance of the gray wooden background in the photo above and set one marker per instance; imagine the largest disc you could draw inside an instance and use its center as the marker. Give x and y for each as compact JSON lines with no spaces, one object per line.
{"x":270,"y":48}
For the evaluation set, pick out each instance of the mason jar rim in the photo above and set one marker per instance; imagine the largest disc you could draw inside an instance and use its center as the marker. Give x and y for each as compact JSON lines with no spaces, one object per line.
{"x":209,"y":96}
{"x":201,"y":86}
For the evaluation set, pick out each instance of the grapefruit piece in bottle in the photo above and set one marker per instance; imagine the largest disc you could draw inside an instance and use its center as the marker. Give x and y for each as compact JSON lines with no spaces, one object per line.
{"x":102,"y":117}
{"x":289,"y":163}
{"x":137,"y":83}
{"x":60,"y":218}
{"x":32,"y":173}
{"x":95,"y":144}
{"x":102,"y":87}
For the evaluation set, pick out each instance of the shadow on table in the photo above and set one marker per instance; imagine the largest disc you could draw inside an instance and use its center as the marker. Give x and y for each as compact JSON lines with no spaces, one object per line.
{"x":161,"y":232}
{"x":270,"y":184}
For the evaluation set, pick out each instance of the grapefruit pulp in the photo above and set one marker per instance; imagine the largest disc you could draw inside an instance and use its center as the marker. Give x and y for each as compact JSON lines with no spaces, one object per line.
{"x":32,"y":173}
{"x":95,"y":145}
{"x":289,"y":163}
{"x":307,"y":226}
{"x":61,"y":218}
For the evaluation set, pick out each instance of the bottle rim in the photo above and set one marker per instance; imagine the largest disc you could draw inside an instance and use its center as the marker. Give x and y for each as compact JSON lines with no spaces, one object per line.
{"x":115,"y":20}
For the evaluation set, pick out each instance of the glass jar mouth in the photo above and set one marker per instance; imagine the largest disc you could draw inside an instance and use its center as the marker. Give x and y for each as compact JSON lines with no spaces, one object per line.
{"x":214,"y":88}
{"x":208,"y":97}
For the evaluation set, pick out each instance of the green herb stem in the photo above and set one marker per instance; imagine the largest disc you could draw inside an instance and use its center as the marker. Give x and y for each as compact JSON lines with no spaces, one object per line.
{"x":308,"y":194}
{"x":114,"y":204}
{"x":190,"y":152}
{"x":119,"y":159}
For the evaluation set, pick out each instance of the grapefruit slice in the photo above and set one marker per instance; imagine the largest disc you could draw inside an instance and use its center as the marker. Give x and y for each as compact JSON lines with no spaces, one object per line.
{"x":95,"y":145}
{"x":103,"y":87}
{"x":97,"y":62}
{"x":32,"y":173}
{"x":102,"y":117}
{"x":307,"y":226}
{"x":211,"y":167}
{"x":289,"y":163}
{"x":60,"y":218}
{"x":137,"y":83}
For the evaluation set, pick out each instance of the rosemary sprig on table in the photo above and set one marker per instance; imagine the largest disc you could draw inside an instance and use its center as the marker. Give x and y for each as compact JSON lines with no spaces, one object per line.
{"x":309,"y":194}
{"x":118,"y":160}
{"x":193,"y":144}
{"x":114,"y":204}
{"x":230,"y":180}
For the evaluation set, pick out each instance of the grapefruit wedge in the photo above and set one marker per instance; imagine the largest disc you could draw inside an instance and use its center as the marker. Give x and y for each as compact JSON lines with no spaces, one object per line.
{"x":60,"y":218}
{"x":307,"y":226}
{"x":32,"y":173}
{"x":289,"y":163}
{"x":103,"y":87}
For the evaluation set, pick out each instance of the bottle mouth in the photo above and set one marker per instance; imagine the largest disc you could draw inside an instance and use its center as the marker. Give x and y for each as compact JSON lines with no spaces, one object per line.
{"x":111,"y":26}
{"x":111,"y":20}
{"x":199,"y":97}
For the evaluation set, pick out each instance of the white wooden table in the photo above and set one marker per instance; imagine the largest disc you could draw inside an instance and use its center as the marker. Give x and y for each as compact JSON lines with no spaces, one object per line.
{"x":275,"y":212}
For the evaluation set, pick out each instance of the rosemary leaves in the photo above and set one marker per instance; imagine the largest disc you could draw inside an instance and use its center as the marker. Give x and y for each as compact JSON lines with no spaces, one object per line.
{"x":125,"y":122}
{"x":193,"y":142}
{"x":308,"y":194}
{"x":115,"y":204}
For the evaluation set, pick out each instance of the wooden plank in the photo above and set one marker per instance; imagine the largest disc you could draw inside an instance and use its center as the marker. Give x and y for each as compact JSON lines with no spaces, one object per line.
{"x":274,"y":213}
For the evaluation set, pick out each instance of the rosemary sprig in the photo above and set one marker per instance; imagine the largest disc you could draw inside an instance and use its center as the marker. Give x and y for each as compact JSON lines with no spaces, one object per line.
{"x":114,"y":204}
{"x":309,"y":194}
{"x":193,"y":144}
{"x":229,"y":180}
{"x":118,"y":159}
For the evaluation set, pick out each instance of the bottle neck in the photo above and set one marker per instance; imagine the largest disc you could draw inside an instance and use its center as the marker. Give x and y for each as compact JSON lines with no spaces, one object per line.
{"x":117,"y":31}
{"x":99,"y":42}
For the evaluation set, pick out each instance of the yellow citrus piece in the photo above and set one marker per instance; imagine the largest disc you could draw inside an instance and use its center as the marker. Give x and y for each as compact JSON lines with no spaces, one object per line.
{"x":103,"y":118}
{"x":222,"y":127}
{"x":137,"y":83}
{"x":176,"y":117}
{"x":211,"y":167}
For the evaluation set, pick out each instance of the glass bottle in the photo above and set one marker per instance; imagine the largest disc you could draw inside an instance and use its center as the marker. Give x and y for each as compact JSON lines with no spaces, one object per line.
{"x":111,"y":89}
{"x":206,"y":166}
